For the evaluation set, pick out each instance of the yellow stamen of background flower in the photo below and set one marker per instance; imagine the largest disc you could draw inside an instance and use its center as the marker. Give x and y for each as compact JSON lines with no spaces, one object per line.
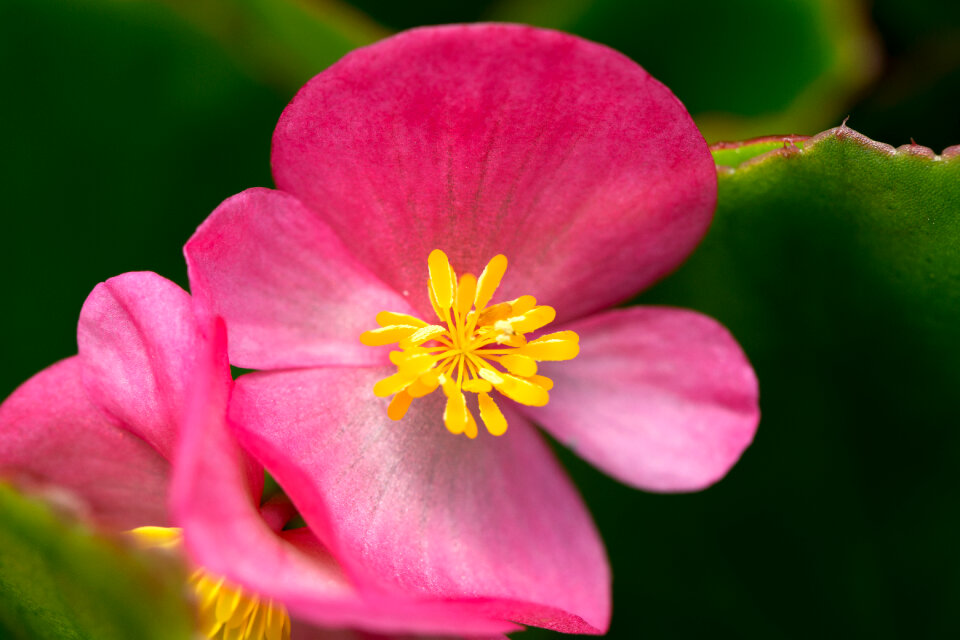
{"x":224,"y":610}
{"x":474,"y":348}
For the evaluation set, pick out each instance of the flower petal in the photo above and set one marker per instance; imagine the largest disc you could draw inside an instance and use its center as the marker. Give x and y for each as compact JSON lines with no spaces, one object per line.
{"x":564,"y":155}
{"x":138,"y":337}
{"x":50,"y":433}
{"x":302,"y":631}
{"x":290,"y":292}
{"x":224,"y":532}
{"x":406,"y":505}
{"x":662,"y":399}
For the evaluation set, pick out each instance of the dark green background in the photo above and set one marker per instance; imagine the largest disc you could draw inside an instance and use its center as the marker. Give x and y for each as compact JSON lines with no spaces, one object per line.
{"x":125,"y":123}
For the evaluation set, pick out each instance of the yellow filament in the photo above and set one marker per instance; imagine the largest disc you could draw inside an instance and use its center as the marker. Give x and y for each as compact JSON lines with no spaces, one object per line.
{"x":224,"y":611}
{"x":474,"y":348}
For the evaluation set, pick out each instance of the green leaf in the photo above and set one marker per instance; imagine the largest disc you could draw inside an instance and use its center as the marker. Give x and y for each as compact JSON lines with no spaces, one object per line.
{"x":837,"y":268}
{"x":59,"y":580}
{"x":733,"y":154}
{"x":743,"y":68}
{"x":892,"y":215}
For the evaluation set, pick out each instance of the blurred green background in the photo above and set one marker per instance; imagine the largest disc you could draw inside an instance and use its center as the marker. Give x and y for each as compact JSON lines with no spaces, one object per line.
{"x":126,"y":122}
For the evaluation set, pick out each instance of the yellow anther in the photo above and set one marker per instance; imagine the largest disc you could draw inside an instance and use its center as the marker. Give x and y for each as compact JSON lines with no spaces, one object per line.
{"x":386,"y":335}
{"x":227,"y":603}
{"x":519,"y":365}
{"x":442,"y":278}
{"x":491,"y":375}
{"x":156,"y":537}
{"x":277,"y":625}
{"x":542,"y":381}
{"x":477,"y":386}
{"x":494,"y":314}
{"x":387,"y":318}
{"x":392,"y":384}
{"x":455,"y":414}
{"x":522,"y":304}
{"x":242,"y":613}
{"x":490,"y":280}
{"x":503,"y":328}
{"x":491,"y":415}
{"x":511,"y":340}
{"x":473,"y":348}
{"x":258,"y":625}
{"x":551,"y":349}
{"x":533,"y":319}
{"x":465,"y":293}
{"x":523,"y":391}
{"x":224,"y":611}
{"x":431,"y":379}
{"x":399,"y":405}
{"x":507,"y":334}
{"x":471,"y":429}
{"x":422,"y":386}
{"x":208,"y":589}
{"x":422,"y":335}
{"x":568,"y":336}
{"x":433,"y":302}
{"x":417,"y":364}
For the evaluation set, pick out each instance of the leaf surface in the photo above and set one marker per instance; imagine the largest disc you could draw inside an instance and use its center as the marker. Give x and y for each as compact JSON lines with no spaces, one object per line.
{"x":837,"y":267}
{"x":61,"y":581}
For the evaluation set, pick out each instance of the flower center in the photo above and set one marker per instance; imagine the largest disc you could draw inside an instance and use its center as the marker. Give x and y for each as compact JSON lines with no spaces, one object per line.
{"x":474,"y":348}
{"x":224,"y":609}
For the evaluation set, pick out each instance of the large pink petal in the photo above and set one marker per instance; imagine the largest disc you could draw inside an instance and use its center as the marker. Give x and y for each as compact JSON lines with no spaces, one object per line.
{"x":564,"y":155}
{"x":303,"y":631}
{"x":138,"y":338}
{"x":492,"y":521}
{"x":224,"y":532}
{"x":662,"y":399}
{"x":52,"y":435}
{"x":290,"y":292}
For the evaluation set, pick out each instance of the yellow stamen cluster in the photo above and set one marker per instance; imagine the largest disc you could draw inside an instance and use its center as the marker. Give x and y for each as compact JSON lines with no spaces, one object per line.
{"x":474,"y":348}
{"x":225,"y":611}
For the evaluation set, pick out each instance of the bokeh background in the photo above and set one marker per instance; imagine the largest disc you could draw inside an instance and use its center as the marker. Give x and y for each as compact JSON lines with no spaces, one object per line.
{"x":125,"y":122}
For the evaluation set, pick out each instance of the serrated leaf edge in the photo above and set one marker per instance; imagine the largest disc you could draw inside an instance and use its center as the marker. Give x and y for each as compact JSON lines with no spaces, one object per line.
{"x":843,"y":132}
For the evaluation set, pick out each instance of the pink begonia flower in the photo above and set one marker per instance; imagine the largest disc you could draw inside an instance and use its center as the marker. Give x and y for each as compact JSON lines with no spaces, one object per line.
{"x":150,"y":384}
{"x":445,"y":151}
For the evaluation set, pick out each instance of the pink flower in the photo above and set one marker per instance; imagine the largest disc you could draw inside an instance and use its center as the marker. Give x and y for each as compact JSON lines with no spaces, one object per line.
{"x":478,"y":141}
{"x":150,"y":385}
